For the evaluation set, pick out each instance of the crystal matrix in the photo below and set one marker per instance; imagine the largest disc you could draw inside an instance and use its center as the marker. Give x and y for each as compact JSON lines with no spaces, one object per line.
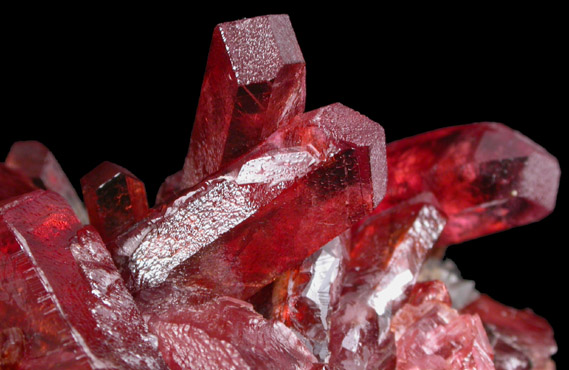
{"x":265,"y":213}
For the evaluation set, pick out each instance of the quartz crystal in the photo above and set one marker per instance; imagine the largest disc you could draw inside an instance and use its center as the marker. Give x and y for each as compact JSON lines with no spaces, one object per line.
{"x":429,"y":334}
{"x":521,"y":339}
{"x":303,"y":298}
{"x":36,"y":161}
{"x":13,"y":183}
{"x":485,"y":177}
{"x":254,"y":82}
{"x":266,"y":212}
{"x":62,"y":299}
{"x":388,"y":250}
{"x":198,"y":330}
{"x":115,"y":199}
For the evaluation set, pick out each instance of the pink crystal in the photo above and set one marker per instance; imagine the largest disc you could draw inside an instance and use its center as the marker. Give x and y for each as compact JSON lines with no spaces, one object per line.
{"x":254,"y":82}
{"x":198,"y":330}
{"x":62,"y":291}
{"x":268,"y":211}
{"x":36,"y":161}
{"x":518,"y":336}
{"x":485,"y":177}
{"x":387,"y":252}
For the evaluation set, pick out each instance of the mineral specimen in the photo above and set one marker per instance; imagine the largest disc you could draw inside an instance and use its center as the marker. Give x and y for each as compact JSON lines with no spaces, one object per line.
{"x":388,"y":250}
{"x":485,"y":177}
{"x":521,"y":339}
{"x":198,"y":330}
{"x":36,"y":161}
{"x":254,"y":82}
{"x":115,"y":199}
{"x":63,"y":304}
{"x":266,"y":212}
{"x":13,"y":183}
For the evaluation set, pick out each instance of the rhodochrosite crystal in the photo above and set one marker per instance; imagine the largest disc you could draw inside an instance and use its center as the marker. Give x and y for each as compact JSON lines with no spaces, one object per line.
{"x":521,"y":339}
{"x":254,"y":82}
{"x":203,"y":331}
{"x":36,"y":161}
{"x":114,"y":197}
{"x":429,"y":334}
{"x":485,"y":177}
{"x":62,"y":298}
{"x":266,"y":212}
{"x":388,"y":250}
{"x":13,"y":183}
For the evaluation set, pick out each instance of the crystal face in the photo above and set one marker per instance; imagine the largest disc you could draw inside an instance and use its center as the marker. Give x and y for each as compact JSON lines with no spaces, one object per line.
{"x":254,"y":82}
{"x":61,"y":294}
{"x":485,"y":177}
{"x":240,"y":229}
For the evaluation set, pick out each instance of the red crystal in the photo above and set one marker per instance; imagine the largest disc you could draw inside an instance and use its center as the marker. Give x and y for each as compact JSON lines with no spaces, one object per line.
{"x":36,"y":161}
{"x":264,"y":214}
{"x":201,"y":331}
{"x":13,"y":183}
{"x":303,"y":298}
{"x":388,"y":250}
{"x":518,"y":336}
{"x":115,"y":199}
{"x":485,"y":177}
{"x":169,"y":188}
{"x":254,"y":82}
{"x":61,"y":289}
{"x":429,"y":334}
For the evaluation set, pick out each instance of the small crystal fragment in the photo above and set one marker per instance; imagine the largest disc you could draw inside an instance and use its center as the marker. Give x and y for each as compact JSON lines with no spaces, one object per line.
{"x":485,"y":177}
{"x":429,"y":334}
{"x":115,"y":199}
{"x":254,"y":82}
{"x":518,"y":336}
{"x":303,"y":298}
{"x":388,"y":250}
{"x":38,"y":163}
{"x":13,"y":183}
{"x":200,"y":331}
{"x":266,"y":212}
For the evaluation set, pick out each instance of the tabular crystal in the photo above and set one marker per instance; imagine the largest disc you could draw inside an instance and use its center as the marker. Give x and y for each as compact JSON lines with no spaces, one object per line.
{"x":36,"y":161}
{"x":268,"y":211}
{"x":198,"y":330}
{"x":485,"y":177}
{"x":62,"y":299}
{"x":115,"y":199}
{"x":254,"y":82}
{"x":520,"y":338}
{"x":388,"y":250}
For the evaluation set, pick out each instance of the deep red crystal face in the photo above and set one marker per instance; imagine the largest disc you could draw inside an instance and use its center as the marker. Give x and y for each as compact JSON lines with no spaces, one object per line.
{"x":115,"y":199}
{"x":254,"y":83}
{"x":485,"y":177}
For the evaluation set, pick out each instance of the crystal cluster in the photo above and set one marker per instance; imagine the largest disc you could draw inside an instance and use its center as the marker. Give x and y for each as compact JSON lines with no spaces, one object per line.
{"x":289,"y":239}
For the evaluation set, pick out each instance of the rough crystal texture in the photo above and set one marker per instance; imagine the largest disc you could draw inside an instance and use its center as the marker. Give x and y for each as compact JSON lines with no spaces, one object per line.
{"x":388,"y":250}
{"x":429,"y":334}
{"x":197,"y":330}
{"x":115,"y":199}
{"x":268,"y":211}
{"x":303,"y":298}
{"x":38,"y":163}
{"x":461,"y":291}
{"x":485,"y":177}
{"x":13,"y":183}
{"x":521,"y":339}
{"x":254,"y":82}
{"x":63,"y":304}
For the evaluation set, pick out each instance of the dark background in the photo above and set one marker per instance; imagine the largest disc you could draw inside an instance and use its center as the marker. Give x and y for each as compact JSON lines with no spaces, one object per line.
{"x":123,"y":84}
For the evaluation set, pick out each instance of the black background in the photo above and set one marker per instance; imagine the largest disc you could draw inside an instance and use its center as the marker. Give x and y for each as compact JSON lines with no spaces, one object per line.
{"x":123,"y":85}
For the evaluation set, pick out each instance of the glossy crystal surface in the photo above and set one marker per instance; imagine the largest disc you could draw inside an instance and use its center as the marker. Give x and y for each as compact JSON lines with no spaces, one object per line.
{"x":254,"y":83}
{"x":485,"y":177}
{"x":241,"y":228}
{"x":37,"y":162}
